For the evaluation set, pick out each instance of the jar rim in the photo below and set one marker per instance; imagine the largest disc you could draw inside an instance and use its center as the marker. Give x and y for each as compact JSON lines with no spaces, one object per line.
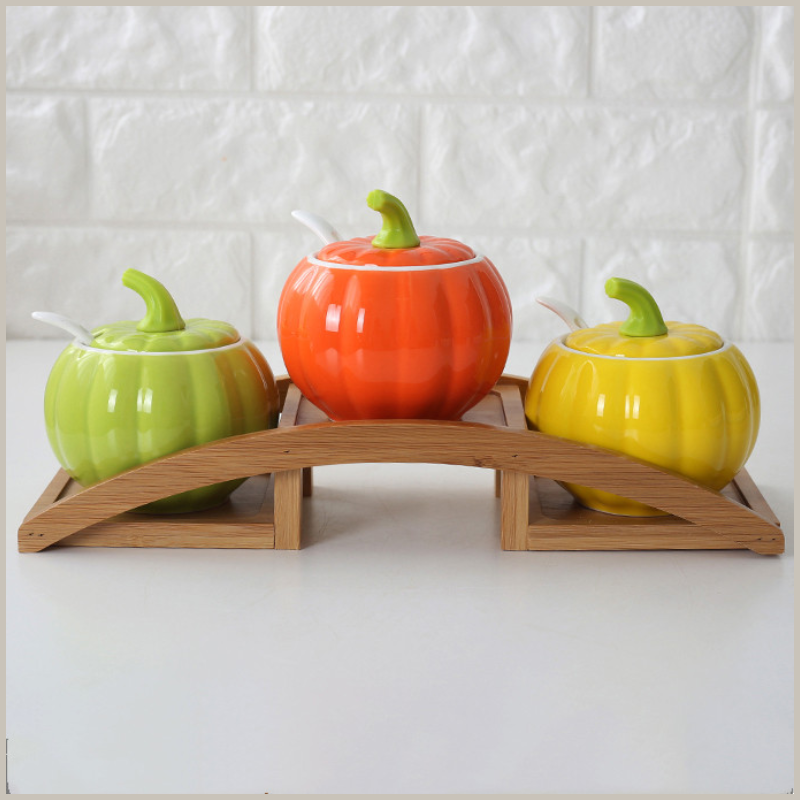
{"x":312,"y":259}
{"x":560,"y":341}
{"x":108,"y":351}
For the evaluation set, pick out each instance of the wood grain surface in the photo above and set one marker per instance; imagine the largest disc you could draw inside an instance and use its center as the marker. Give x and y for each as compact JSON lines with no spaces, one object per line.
{"x":723,"y":520}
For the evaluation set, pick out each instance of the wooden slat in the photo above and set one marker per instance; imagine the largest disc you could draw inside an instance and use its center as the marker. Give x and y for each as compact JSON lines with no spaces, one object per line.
{"x":288,"y":509}
{"x":685,"y":538}
{"x":290,"y":408}
{"x":217,"y":536}
{"x":283,"y":382}
{"x":754,"y":498}
{"x":50,"y":495}
{"x":290,"y":485}
{"x":514,"y":511}
{"x":514,"y":485}
{"x":512,"y":408}
{"x":517,"y":381}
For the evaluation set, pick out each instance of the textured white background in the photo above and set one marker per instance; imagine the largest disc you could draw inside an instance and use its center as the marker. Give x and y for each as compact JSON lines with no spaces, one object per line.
{"x":568,"y":144}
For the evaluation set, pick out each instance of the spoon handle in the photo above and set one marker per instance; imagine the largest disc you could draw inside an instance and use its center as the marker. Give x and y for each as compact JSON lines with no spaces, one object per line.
{"x":318,"y":225}
{"x":573,"y":319}
{"x":59,"y":321}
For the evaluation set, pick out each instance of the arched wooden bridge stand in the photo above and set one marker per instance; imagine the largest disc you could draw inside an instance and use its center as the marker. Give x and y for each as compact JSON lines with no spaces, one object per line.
{"x":536,"y":514}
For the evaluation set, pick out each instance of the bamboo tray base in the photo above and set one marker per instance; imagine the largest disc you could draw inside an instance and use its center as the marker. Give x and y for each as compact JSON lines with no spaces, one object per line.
{"x":558,"y":522}
{"x":535,"y":512}
{"x":245,"y":520}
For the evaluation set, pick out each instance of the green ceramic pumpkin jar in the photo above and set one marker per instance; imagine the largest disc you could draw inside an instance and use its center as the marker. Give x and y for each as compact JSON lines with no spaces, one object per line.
{"x":142,"y":390}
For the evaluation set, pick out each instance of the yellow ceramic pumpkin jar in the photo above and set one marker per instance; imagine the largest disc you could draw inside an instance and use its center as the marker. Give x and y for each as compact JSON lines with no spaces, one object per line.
{"x":672,"y":394}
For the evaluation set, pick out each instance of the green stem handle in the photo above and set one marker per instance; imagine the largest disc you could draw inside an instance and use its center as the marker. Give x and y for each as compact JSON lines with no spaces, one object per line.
{"x":645,"y":318}
{"x":162,"y":314}
{"x":398,"y":230}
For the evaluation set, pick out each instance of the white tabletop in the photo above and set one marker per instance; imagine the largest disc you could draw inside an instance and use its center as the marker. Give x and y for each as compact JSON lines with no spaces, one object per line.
{"x":401,"y":651}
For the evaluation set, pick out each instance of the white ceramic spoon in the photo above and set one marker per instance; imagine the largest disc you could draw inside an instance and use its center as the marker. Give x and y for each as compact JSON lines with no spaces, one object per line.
{"x":318,"y":225}
{"x":75,"y":328}
{"x":573,"y":319}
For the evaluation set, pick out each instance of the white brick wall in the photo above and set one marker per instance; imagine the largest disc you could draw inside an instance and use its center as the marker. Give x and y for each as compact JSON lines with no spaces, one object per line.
{"x":569,"y":144}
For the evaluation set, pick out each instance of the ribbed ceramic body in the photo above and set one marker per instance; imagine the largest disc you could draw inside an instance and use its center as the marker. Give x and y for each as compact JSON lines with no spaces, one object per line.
{"x":697,"y":415}
{"x":108,"y":411}
{"x":419,"y":341}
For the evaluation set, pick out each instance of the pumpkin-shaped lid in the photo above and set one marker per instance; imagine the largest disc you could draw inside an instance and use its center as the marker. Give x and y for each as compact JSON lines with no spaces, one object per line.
{"x":397,"y":244}
{"x":644,"y":334}
{"x":162,"y":330}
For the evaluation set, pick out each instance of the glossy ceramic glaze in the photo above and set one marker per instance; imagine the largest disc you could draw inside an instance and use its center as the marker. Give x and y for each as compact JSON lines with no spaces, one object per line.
{"x":114,"y":407}
{"x":431,"y":251}
{"x":394,"y":343}
{"x":696,"y":414}
{"x":417,"y":332}
{"x":681,"y":340}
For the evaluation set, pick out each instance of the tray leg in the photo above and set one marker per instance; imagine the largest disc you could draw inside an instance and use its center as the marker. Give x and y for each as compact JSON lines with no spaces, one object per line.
{"x":288,"y":509}
{"x":514,"y":511}
{"x":308,"y":482}
{"x":498,"y":482}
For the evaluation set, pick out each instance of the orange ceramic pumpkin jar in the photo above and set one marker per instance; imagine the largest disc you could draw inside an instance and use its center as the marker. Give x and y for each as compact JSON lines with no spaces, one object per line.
{"x":396,"y":327}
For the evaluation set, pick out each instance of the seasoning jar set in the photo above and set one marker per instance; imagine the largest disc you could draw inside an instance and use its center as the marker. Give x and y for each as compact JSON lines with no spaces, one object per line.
{"x":397,"y":326}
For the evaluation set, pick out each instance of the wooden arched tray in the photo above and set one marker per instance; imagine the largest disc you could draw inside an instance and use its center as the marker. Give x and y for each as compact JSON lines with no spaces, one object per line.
{"x":536,"y":513}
